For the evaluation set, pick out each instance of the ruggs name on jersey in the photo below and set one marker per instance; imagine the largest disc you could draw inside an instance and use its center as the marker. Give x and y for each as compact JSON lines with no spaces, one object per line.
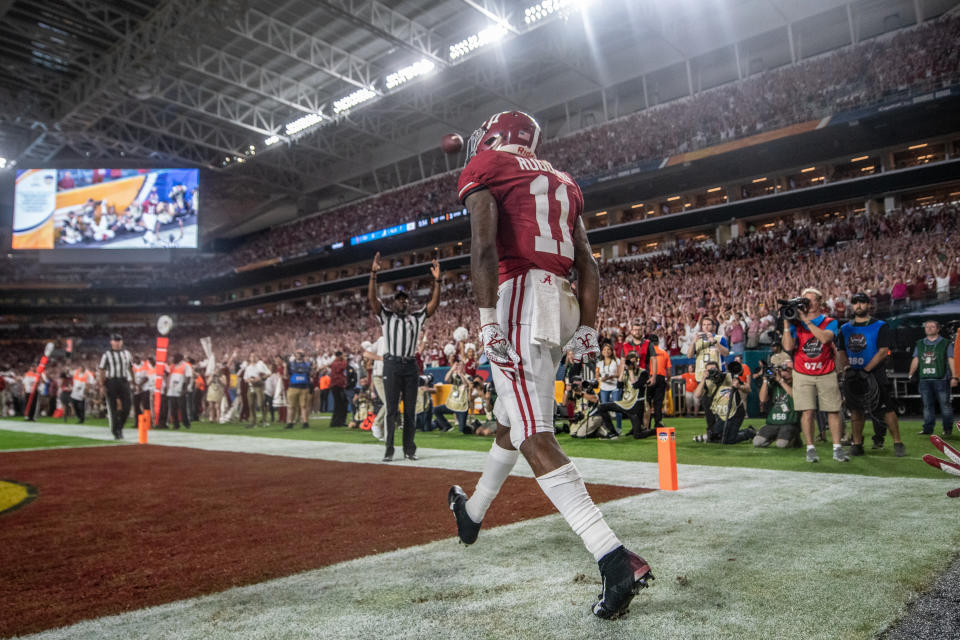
{"x":532,"y":164}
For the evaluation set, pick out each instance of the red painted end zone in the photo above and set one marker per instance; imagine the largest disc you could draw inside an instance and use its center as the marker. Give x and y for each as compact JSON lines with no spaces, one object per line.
{"x":121,"y":528}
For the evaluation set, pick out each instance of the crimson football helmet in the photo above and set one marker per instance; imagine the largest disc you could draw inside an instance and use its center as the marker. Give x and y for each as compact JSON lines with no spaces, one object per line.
{"x":513,"y":131}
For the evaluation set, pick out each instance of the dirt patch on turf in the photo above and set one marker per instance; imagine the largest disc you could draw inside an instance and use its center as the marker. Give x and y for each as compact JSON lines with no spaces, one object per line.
{"x":121,"y":528}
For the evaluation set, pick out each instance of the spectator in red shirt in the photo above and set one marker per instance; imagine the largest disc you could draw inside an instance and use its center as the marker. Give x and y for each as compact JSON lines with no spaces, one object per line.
{"x":66,"y":181}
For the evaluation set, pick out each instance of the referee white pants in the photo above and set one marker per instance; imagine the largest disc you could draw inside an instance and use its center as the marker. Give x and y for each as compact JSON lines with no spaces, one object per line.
{"x":526,"y":404}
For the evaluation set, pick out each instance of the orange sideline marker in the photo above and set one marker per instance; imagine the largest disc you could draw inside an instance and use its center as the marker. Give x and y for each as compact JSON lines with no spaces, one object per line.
{"x":143,"y":427}
{"x":667,"y":456}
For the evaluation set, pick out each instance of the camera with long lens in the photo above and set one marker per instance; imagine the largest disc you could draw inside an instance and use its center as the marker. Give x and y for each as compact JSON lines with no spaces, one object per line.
{"x":790,"y":309}
{"x":589,"y":386}
{"x":715,"y":376}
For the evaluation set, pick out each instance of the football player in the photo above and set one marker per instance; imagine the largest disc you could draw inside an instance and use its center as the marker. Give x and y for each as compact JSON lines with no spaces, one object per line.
{"x":527,"y":234}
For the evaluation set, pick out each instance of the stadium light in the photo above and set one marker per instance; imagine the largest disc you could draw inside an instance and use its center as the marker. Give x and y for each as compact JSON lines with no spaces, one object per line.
{"x":808,"y":170}
{"x":272,"y":140}
{"x":490,"y":35}
{"x":3,"y":163}
{"x":302,"y":123}
{"x":714,"y":189}
{"x":859,"y":158}
{"x":357,"y":97}
{"x":543,"y":10}
{"x":917,"y":146}
{"x":407,"y":74}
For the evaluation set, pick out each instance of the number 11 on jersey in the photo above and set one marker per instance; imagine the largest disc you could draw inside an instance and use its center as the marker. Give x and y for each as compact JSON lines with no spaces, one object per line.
{"x":546,"y":242}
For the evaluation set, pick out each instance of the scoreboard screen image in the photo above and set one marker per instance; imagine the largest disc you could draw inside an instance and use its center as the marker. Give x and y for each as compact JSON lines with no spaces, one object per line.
{"x":106,"y":209}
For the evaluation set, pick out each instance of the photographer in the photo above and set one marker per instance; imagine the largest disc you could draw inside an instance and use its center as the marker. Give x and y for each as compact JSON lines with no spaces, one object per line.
{"x":934,"y":364}
{"x":489,"y":395}
{"x":726,"y":396}
{"x":809,"y":334}
{"x":586,"y":421}
{"x":458,"y":401}
{"x":783,"y":422}
{"x":863,"y":346}
{"x":707,"y":347}
{"x":632,"y":382}
{"x":424,"y":406}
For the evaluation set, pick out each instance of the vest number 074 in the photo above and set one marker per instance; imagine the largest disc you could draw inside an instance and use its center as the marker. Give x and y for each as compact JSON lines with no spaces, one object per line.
{"x":546,"y":242}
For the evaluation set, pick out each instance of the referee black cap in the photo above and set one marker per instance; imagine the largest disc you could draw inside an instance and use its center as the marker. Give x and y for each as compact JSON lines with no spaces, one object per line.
{"x":116,"y":336}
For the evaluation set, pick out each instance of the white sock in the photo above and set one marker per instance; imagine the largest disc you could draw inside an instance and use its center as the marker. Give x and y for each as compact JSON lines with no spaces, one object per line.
{"x":496,"y":468}
{"x":565,"y":488}
{"x":810,"y":446}
{"x":835,"y":447}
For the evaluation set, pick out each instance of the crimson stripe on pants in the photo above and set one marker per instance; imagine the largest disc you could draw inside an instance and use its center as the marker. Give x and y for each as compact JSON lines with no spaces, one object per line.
{"x":516,"y":389}
{"x":520,"y":372}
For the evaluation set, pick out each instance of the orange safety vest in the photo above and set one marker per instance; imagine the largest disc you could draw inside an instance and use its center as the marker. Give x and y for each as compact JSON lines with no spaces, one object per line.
{"x":663,"y":362}
{"x":32,"y":377}
{"x":324,"y":382}
{"x":80,"y":375}
{"x":199,"y":383}
{"x":745,"y":375}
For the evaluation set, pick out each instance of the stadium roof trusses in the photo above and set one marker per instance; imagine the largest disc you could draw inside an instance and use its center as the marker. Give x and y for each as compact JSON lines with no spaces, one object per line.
{"x":226,"y":84}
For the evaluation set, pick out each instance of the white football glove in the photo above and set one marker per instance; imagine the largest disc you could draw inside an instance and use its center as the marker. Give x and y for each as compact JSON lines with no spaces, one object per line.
{"x":584,"y":344}
{"x":498,"y":349}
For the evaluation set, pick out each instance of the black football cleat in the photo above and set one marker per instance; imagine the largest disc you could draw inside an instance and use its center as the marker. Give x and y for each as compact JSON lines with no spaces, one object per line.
{"x":467,"y":529}
{"x":623,"y":573}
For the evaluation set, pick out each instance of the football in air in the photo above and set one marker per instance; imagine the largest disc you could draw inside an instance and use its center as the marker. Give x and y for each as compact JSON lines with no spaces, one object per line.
{"x":451,"y":143}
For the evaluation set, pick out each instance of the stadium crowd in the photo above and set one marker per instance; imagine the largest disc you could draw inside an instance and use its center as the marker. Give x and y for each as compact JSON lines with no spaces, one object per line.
{"x":851,"y":77}
{"x":900,"y":259}
{"x":854,"y":76}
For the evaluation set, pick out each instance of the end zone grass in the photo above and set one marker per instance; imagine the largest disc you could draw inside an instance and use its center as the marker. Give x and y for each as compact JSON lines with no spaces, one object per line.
{"x":13,"y":440}
{"x":876,"y":463}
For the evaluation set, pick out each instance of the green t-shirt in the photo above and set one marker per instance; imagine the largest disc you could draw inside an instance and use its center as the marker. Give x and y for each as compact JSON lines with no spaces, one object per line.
{"x":781,"y":408}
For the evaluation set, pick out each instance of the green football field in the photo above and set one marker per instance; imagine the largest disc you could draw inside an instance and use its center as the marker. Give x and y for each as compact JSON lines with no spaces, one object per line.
{"x":11,"y":440}
{"x":880,"y":463}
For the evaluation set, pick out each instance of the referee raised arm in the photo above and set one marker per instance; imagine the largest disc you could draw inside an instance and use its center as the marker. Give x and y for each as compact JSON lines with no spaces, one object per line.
{"x":116,"y":373}
{"x":401,"y":329}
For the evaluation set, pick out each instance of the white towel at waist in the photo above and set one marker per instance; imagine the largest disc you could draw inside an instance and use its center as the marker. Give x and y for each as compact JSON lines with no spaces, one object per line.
{"x":545,"y":328}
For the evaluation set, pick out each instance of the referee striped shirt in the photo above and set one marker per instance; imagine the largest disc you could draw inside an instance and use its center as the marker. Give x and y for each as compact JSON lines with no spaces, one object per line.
{"x":116,"y":364}
{"x":401,"y":331}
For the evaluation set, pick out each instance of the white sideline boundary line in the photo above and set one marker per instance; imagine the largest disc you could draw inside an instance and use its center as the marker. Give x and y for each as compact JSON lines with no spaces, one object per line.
{"x":615,"y":472}
{"x":813,"y":556}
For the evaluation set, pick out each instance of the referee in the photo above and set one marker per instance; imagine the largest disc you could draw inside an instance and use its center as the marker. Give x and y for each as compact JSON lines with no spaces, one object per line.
{"x":116,"y":372}
{"x":401,"y":328}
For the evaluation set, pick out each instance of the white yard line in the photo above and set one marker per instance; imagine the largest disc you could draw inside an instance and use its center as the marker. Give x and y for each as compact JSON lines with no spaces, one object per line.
{"x":738,"y":553}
